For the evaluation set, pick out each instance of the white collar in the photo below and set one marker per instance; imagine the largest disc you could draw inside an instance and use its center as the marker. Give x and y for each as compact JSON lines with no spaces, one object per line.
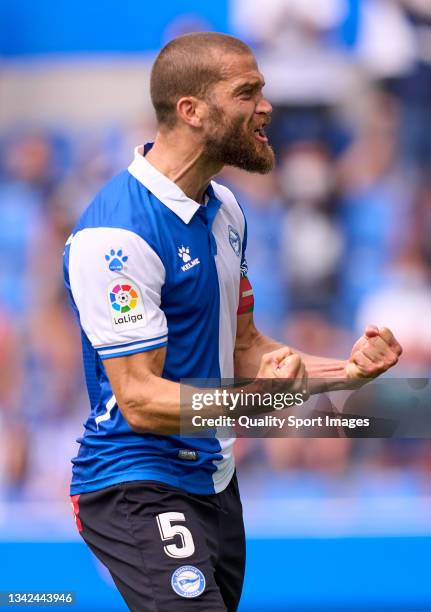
{"x":163,"y":188}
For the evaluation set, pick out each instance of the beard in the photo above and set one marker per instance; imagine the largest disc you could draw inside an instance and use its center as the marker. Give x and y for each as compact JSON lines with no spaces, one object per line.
{"x":229,"y":144}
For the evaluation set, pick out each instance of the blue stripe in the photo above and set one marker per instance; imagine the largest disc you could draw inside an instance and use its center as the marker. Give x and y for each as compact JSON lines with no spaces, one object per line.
{"x":133,"y":351}
{"x":115,"y":346}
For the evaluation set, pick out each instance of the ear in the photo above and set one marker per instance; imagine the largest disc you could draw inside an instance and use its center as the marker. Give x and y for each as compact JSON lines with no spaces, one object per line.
{"x":191,"y":110}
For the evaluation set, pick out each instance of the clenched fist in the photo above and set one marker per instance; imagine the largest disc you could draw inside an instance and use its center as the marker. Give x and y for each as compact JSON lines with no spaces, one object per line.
{"x":374,"y":353}
{"x":286,"y":365}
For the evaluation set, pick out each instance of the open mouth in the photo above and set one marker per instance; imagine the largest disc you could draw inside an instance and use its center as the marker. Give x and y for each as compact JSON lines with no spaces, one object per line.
{"x":260,"y":134}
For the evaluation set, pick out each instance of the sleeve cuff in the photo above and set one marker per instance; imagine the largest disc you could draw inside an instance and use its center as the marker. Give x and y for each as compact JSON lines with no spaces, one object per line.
{"x":129,"y":348}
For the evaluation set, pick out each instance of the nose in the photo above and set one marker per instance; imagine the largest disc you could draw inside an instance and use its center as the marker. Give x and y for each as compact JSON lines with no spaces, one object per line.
{"x":264,"y":106}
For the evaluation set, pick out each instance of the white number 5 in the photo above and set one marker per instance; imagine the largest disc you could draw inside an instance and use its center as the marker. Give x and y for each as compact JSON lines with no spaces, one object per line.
{"x":169,"y":531}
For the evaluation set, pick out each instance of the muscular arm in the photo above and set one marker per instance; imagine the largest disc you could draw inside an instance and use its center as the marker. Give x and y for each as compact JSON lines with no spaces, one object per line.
{"x":251,"y":345}
{"x":370,"y":357}
{"x":152,"y":404}
{"x":148,"y":402}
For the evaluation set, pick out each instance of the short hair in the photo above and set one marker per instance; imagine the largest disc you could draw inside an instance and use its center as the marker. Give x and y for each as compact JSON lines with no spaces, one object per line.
{"x":188,"y":66}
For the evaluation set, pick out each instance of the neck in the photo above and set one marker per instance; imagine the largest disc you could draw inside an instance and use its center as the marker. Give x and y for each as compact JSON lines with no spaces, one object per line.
{"x":183,"y":161}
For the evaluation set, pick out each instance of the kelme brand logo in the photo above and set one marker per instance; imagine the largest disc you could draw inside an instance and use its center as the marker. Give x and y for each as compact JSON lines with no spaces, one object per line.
{"x":184,"y":253}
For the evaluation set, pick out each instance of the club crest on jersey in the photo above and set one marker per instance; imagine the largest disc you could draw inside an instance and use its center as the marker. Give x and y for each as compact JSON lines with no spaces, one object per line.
{"x":125,"y":305}
{"x":188,"y":581}
{"x":184,"y":254}
{"x":116,"y":260}
{"x":235,"y":240}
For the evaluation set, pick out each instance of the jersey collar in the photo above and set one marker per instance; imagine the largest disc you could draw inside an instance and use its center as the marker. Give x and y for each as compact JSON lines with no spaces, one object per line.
{"x":163,"y":188}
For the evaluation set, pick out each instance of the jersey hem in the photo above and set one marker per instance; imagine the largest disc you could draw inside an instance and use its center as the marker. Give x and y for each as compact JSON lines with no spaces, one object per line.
{"x":220,"y":485}
{"x":103,"y":483}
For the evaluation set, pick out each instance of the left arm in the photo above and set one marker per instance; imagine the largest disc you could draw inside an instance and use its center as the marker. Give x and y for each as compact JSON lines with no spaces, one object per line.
{"x":374,"y":353}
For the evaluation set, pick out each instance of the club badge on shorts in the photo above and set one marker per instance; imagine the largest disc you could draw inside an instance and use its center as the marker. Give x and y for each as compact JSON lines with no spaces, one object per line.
{"x":188,"y":581}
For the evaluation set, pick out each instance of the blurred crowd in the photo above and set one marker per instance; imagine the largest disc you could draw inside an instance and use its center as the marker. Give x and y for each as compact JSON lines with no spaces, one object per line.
{"x":338,"y":235}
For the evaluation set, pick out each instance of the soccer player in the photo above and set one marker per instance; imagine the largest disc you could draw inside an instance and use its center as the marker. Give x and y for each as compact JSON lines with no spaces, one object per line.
{"x":157,"y":275}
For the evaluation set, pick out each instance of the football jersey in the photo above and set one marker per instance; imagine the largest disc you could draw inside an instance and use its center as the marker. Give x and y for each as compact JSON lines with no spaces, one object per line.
{"x":147,"y":267}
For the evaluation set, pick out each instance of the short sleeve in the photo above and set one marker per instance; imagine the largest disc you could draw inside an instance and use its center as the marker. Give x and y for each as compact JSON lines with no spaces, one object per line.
{"x":116,"y":280}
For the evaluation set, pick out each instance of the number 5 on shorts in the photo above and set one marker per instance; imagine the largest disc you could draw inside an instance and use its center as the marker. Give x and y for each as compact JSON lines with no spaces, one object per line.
{"x":169,"y":531}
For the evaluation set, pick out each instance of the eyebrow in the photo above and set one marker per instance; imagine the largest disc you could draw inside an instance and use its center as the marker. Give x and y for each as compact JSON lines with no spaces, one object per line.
{"x":249,"y":85}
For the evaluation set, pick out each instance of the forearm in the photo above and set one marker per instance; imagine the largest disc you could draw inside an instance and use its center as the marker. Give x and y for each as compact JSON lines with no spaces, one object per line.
{"x":151,"y":405}
{"x":159,"y":406}
{"x":324,"y":373}
{"x":248,"y":353}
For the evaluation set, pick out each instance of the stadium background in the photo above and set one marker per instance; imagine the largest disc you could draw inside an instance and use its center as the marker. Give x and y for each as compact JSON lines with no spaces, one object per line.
{"x":339,"y":235}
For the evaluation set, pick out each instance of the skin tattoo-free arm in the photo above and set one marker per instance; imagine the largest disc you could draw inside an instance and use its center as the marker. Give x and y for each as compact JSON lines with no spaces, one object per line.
{"x":152,"y":404}
{"x":372,"y":354}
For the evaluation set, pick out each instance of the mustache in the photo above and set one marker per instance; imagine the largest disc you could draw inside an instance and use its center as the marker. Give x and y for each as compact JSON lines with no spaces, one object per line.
{"x":267,"y":118}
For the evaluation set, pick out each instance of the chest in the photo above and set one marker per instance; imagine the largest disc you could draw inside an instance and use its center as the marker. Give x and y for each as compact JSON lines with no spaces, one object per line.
{"x":202,"y":260}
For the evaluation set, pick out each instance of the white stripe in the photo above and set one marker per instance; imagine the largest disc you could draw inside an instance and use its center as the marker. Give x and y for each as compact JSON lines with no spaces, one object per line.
{"x":247,"y":293}
{"x":228,"y":272}
{"x":226,"y":466}
{"x":106,"y":415}
{"x":133,"y":347}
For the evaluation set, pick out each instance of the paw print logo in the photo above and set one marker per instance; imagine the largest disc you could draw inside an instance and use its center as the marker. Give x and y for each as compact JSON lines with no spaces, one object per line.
{"x":116,"y":260}
{"x":184,"y":253}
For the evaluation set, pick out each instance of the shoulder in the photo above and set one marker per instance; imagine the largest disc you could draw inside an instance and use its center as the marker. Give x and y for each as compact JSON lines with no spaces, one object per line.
{"x":231,"y":206}
{"x":230,"y":203}
{"x":121,"y":205}
{"x":224,"y":194}
{"x":113,"y":204}
{"x":119,"y":222}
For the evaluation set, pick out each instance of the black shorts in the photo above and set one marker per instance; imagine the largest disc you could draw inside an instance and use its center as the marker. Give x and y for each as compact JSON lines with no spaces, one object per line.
{"x":167,"y":550}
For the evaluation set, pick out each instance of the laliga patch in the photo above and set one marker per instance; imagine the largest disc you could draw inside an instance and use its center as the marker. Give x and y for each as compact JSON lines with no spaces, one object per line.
{"x":126,"y":305}
{"x":188,"y":581}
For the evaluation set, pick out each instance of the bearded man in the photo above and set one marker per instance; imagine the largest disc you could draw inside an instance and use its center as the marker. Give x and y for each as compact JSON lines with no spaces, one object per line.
{"x":157,"y":274}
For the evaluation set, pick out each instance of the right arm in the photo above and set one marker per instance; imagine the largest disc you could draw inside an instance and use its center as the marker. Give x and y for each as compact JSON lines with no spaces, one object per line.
{"x":152,"y":404}
{"x":148,"y":402}
{"x":133,"y":348}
